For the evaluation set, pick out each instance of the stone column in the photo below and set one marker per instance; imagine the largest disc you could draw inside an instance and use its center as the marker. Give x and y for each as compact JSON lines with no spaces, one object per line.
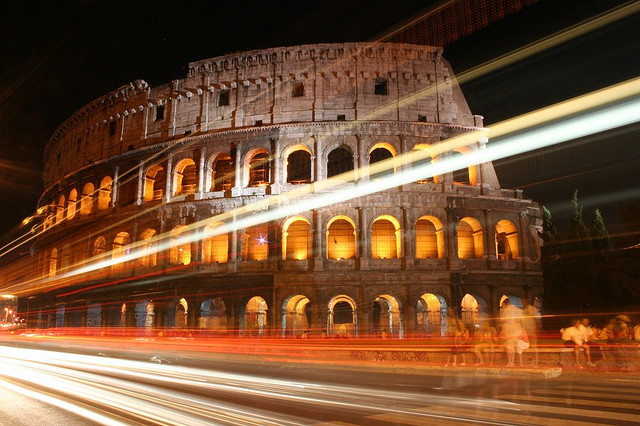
{"x":201,"y":173}
{"x":237,"y":188}
{"x":140,"y":193}
{"x":276,"y":169}
{"x":364,"y":251}
{"x":114,"y":185}
{"x":319,"y":174}
{"x":318,"y":247}
{"x":169,"y":179}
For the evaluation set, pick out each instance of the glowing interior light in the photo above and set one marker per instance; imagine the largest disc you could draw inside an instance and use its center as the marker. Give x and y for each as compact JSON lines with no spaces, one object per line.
{"x":262,"y":239}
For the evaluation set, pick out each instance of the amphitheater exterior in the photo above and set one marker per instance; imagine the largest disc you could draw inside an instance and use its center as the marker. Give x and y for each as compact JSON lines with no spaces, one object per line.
{"x":234,"y":201}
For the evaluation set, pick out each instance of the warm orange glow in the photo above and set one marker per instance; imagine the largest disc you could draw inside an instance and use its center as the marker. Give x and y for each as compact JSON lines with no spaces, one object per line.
{"x":470,"y":239}
{"x":296,"y":241}
{"x":341,"y":238}
{"x":215,"y":248}
{"x":506,"y":240}
{"x":179,"y":254}
{"x":385,"y":238}
{"x":429,"y":238}
{"x":104,"y":193}
{"x":256,"y":245}
{"x":184,"y":177}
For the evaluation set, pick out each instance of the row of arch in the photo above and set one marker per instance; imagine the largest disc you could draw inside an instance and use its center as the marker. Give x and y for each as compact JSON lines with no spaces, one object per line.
{"x":297,"y":316}
{"x":222,"y":171}
{"x":340,"y":242}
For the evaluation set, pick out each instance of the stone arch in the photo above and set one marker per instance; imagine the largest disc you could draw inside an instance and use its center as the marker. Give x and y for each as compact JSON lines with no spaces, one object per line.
{"x":184,"y":177}
{"x":145,"y":314}
{"x":296,"y":238}
{"x":340,"y":162}
{"x":180,"y":247}
{"x":60,"y":209}
{"x":426,"y":156}
{"x":431,"y":313}
{"x":296,"y":315}
{"x":177,"y":314}
{"x":256,"y":242}
{"x":506,"y":236}
{"x":119,"y":249}
{"x":86,"y":199}
{"x":213,"y":315}
{"x":386,"y":238}
{"x":429,"y":238}
{"x":53,"y":262}
{"x":99,"y":246}
{"x":255,"y":317}
{"x":470,"y":239}
{"x":381,"y":153}
{"x":215,"y":244}
{"x":256,"y":168}
{"x":387,"y":316}
{"x":341,"y":238}
{"x":474,"y":311}
{"x":515,"y":300}
{"x":104,"y":193}
{"x":466,"y":175}
{"x":297,"y":164}
{"x":154,"y":183}
{"x":148,"y":248}
{"x":222,"y":172}
{"x":72,"y":204}
{"x":342,"y":321}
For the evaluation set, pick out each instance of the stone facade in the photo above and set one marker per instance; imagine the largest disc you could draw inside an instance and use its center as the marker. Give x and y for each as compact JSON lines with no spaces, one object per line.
{"x":154,"y":201}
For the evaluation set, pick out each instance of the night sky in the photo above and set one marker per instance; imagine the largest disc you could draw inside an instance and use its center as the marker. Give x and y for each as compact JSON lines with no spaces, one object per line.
{"x":56,"y":57}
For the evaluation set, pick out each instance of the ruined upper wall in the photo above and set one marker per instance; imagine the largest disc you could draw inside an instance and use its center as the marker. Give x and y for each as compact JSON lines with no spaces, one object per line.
{"x":308,"y":83}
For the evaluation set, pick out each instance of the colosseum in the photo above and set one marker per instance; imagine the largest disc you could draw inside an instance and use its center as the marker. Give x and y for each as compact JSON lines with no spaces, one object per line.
{"x":276,"y":192}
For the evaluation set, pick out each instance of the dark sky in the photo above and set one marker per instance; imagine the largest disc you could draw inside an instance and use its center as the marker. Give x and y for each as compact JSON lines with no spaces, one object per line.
{"x":56,"y":57}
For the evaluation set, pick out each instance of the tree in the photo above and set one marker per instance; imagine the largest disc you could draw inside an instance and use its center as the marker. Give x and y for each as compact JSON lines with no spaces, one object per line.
{"x":600,"y":240}
{"x":579,"y":238}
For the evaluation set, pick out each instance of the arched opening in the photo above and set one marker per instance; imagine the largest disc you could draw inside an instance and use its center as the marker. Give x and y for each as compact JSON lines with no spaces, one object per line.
{"x":53,"y":262}
{"x":215,"y":245}
{"x":145,"y":314}
{"x":296,"y":315}
{"x":256,"y":243}
{"x":341,"y":238}
{"x":148,"y":248}
{"x":71,"y":204}
{"x":340,"y":161}
{"x":424,"y":157}
{"x":429,"y":238}
{"x":65,"y":258}
{"x":60,"y":208}
{"x":299,"y":167}
{"x":259,"y":169}
{"x":154,"y":183}
{"x":387,"y":319}
{"x":255,"y":317}
{"x":94,"y":315}
{"x":99,"y":246}
{"x":180,"y":312}
{"x":223,"y":173}
{"x":296,"y":239}
{"x":470,"y":239}
{"x":213,"y":315}
{"x":506,"y":240}
{"x":430,"y":314}
{"x":180,"y":251}
{"x":120,"y":243}
{"x":379,"y":153}
{"x":104,"y":193}
{"x":86,"y":199}
{"x":342,"y":321}
{"x":385,"y":238}
{"x":474,"y":311}
{"x":184,"y":177}
{"x":466,"y":174}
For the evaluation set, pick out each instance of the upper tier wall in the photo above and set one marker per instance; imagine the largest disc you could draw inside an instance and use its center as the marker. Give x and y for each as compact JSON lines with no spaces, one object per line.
{"x":321,"y":82}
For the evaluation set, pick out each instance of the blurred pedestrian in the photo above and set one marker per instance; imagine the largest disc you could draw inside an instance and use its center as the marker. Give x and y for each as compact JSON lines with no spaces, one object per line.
{"x":532,"y":325}
{"x":486,"y":343}
{"x":512,"y":331}
{"x":574,"y":337}
{"x":460,"y":345}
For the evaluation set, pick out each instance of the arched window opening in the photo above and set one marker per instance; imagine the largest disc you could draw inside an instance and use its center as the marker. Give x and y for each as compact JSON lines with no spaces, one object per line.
{"x":154,"y":183}
{"x":387,"y":320}
{"x":148,"y":248}
{"x":461,"y":175}
{"x":181,"y":312}
{"x":256,"y":243}
{"x":119,"y":249}
{"x":385,"y":239}
{"x":60,"y":209}
{"x":430,"y":314}
{"x":506,"y":240}
{"x":86,"y":199}
{"x":340,"y":161}
{"x":223,"y":174}
{"x":297,"y":240}
{"x":296,"y":316}
{"x":53,"y":262}
{"x":255,"y":317}
{"x":470,"y":310}
{"x":259,"y":169}
{"x":376,"y":156}
{"x":429,"y":238}
{"x":341,"y":239}
{"x":213,"y":315}
{"x":342,"y":319}
{"x":180,"y":252}
{"x":299,"y":167}
{"x":71,"y":204}
{"x":145,"y":313}
{"x":184,"y":178}
{"x":215,"y":245}
{"x":104,"y":193}
{"x":470,"y":239}
{"x":99,"y":246}
{"x":423,"y":156}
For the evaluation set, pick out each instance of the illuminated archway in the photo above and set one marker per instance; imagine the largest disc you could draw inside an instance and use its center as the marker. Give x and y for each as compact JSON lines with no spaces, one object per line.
{"x":154,"y":183}
{"x":120,"y":243}
{"x":429,"y":238}
{"x":298,"y":164}
{"x":466,"y":175}
{"x":178,"y":314}
{"x":104,"y":193}
{"x":184,"y":177}
{"x":387,"y":317}
{"x":430,"y":314}
{"x":180,"y":251}
{"x":296,"y":238}
{"x":71,"y":204}
{"x":86,"y":199}
{"x":474,"y":310}
{"x":256,"y":168}
{"x":222,"y":172}
{"x":256,"y":243}
{"x":255,"y":317}
{"x":215,"y":245}
{"x":386,"y":239}
{"x":341,"y":238}
{"x":53,"y":262}
{"x":426,"y":156}
{"x":60,"y":209}
{"x":145,"y":314}
{"x":342,"y":321}
{"x":213,"y":315}
{"x":506,"y":240}
{"x":148,"y":248}
{"x":296,"y":315}
{"x":470,"y":239}
{"x":99,"y":246}
{"x":381,"y":152}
